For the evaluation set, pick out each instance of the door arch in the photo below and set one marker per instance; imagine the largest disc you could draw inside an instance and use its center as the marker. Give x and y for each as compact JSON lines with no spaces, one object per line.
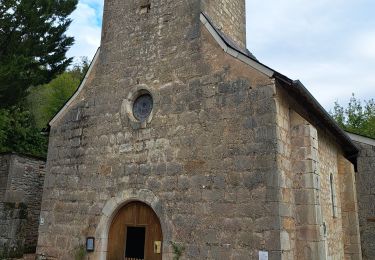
{"x":135,"y":233}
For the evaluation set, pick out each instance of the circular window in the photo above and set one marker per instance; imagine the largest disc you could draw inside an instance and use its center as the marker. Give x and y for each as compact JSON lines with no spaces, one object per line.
{"x":142,"y":107}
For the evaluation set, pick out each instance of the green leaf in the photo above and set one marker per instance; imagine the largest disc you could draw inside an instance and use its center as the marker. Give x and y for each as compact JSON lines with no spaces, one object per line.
{"x":356,"y":118}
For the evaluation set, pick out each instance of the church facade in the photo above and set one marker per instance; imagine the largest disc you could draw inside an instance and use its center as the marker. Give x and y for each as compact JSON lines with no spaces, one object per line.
{"x":179,"y":141}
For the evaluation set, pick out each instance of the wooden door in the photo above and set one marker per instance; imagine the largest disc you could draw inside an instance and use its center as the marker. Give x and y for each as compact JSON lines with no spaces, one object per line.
{"x":134,"y":227}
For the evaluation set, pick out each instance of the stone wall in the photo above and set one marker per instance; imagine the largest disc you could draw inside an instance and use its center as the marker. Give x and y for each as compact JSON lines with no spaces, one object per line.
{"x":13,"y":223}
{"x":330,"y":197}
{"x":284,"y":179}
{"x":312,"y":227}
{"x":366,"y":196}
{"x":306,"y":160}
{"x":349,"y":209}
{"x":4,"y":170}
{"x":21,"y":200}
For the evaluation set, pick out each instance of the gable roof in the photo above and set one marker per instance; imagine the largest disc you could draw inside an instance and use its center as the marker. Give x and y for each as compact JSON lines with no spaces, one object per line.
{"x":294,"y":88}
{"x":361,"y":139}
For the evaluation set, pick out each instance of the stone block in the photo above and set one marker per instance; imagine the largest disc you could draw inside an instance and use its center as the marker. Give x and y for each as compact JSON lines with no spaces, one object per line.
{"x":285,"y":209}
{"x":15,"y":196}
{"x":174,"y":168}
{"x":184,"y":183}
{"x":213,"y":195}
{"x":309,"y":214}
{"x":109,"y":207}
{"x":285,"y":241}
{"x":307,"y":196}
{"x":250,"y":238}
{"x":125,"y":148}
{"x":145,"y":169}
{"x":308,"y":233}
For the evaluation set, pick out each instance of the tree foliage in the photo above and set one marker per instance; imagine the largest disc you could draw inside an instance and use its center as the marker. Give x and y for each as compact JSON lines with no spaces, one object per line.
{"x":18,"y":133}
{"x":20,"y":126}
{"x":357,"y":117}
{"x":33,"y":44}
{"x":46,"y":100}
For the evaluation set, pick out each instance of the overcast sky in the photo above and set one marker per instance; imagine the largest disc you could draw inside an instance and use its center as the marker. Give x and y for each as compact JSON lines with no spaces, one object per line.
{"x":327,"y":44}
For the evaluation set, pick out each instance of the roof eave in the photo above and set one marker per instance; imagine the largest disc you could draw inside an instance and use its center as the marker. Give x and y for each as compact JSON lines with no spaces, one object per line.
{"x":236,"y":53}
{"x":349,"y":148}
{"x":361,"y":138}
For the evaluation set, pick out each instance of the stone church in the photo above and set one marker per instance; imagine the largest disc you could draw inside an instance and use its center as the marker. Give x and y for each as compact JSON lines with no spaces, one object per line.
{"x":180,"y":142}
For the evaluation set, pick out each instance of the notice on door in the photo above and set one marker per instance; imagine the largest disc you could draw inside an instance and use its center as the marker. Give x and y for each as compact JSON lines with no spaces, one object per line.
{"x":263,"y":255}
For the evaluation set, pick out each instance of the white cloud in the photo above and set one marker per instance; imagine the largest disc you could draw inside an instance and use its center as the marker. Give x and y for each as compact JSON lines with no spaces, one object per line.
{"x":85,"y":29}
{"x":327,"y":44}
{"x":364,"y":45}
{"x":331,"y":80}
{"x":270,"y":21}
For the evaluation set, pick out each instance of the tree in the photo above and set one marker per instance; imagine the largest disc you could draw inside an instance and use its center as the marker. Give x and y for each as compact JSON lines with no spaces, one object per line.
{"x":356,"y":118}
{"x":20,"y":127}
{"x":80,"y":67}
{"x":33,"y":44}
{"x":46,"y":100}
{"x":18,"y":133}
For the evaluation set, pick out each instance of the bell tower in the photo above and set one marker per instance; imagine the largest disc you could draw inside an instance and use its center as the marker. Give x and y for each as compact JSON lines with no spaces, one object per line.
{"x":134,"y":23}
{"x":229,"y":16}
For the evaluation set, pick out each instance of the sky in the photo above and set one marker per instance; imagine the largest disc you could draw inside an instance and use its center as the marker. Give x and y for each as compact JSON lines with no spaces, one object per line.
{"x":329,"y":45}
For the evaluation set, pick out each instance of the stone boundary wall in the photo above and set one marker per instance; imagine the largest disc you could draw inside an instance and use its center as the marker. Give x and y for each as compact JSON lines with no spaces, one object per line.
{"x":21,"y":190}
{"x":366,"y":198}
{"x":4,"y":168}
{"x":13,"y":219}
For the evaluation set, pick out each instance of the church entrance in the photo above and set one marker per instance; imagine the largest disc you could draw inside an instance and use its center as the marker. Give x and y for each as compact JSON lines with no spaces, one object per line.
{"x":135,"y":234}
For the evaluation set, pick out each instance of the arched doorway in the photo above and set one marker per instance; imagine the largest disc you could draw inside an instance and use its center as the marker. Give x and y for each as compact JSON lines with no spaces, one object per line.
{"x":135,"y":233}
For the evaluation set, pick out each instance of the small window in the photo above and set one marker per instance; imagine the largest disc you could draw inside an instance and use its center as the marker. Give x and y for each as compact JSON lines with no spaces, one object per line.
{"x":135,"y":243}
{"x":139,"y":107}
{"x":142,"y":107}
{"x":333,"y":196}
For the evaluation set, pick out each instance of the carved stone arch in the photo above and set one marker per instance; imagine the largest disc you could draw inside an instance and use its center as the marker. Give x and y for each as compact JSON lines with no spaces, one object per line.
{"x":113,"y":205}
